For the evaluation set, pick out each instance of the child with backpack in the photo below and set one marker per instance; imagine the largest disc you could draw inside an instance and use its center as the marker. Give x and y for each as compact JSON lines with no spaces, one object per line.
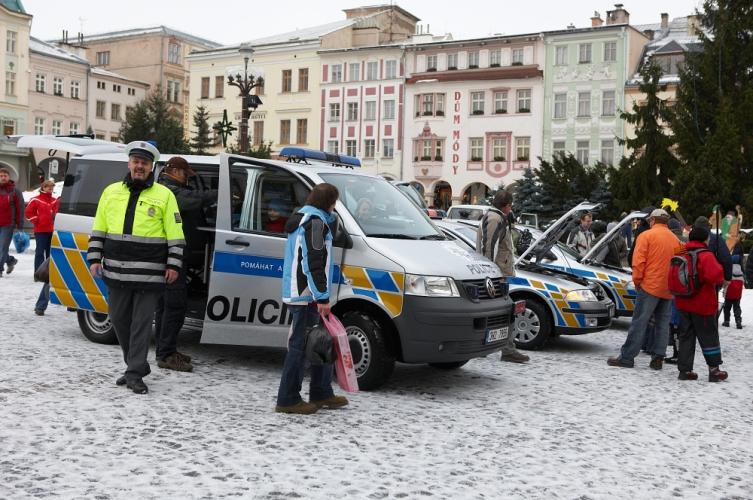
{"x":734,"y":292}
{"x":693,"y":278}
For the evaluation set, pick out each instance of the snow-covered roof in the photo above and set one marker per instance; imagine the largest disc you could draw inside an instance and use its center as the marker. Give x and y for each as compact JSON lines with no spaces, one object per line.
{"x":111,"y":74}
{"x":311,"y":33}
{"x":47,"y":49}
{"x":164,"y":30}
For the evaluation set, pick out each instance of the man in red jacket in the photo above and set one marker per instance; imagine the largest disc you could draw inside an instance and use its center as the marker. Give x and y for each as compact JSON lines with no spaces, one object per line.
{"x":698,"y":313}
{"x":11,"y":218}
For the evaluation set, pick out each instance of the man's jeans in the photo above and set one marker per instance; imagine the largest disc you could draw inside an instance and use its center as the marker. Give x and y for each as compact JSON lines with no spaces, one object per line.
{"x":6,"y":236}
{"x":320,"y":387}
{"x":646,"y":306}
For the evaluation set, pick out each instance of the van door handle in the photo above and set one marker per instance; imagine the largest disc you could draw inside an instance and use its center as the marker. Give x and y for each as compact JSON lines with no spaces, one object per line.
{"x":238,"y":242}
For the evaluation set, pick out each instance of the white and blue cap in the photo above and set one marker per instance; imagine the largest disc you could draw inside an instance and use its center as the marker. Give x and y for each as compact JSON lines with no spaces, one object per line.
{"x":144,"y":149}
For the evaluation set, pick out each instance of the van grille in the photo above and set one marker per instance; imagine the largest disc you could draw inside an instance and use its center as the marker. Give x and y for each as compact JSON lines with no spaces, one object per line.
{"x":476,"y":289}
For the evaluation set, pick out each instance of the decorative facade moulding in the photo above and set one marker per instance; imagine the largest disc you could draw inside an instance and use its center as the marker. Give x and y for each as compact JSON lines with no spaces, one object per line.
{"x":503,"y":73}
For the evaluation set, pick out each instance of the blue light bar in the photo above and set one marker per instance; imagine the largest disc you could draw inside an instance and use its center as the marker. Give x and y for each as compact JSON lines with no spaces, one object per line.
{"x":304,"y":154}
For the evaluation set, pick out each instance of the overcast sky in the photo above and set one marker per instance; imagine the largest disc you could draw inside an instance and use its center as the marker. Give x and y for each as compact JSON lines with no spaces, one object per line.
{"x":233,"y":21}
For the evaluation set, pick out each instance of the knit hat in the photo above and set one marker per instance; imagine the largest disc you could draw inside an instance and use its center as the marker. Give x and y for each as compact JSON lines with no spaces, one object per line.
{"x":702,"y":222}
{"x":698,"y":234}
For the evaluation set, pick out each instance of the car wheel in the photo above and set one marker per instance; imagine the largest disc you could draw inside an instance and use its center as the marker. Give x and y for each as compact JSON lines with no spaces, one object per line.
{"x":532,"y":327}
{"x":97,"y":327}
{"x":449,"y":365}
{"x":372,"y":360}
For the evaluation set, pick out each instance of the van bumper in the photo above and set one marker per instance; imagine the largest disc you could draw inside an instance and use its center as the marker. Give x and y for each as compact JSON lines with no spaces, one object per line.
{"x":592,"y":316}
{"x":438,"y":330}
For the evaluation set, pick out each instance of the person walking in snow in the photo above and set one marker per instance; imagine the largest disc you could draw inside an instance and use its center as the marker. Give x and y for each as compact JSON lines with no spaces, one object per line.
{"x":11,"y":218}
{"x":41,"y":212}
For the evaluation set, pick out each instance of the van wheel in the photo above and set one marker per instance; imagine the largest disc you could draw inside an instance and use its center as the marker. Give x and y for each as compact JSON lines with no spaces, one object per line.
{"x":97,"y":327}
{"x":532,"y":326}
{"x":371,"y":359}
{"x":453,"y":365}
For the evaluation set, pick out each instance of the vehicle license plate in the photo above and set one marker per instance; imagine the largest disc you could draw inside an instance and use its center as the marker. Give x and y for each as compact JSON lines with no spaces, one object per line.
{"x":497,"y":334}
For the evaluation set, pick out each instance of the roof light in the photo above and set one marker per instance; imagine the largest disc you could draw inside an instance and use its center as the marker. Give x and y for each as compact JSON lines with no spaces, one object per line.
{"x":302,"y":155}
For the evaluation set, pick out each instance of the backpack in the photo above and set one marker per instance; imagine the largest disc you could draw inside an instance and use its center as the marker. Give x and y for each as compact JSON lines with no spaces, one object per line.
{"x":683,"y":273}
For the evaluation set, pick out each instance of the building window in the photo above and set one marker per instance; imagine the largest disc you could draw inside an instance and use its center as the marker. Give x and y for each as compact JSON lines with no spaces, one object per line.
{"x":584,"y":53}
{"x":584,"y":103}
{"x":477,"y":103}
{"x":101,"y":85}
{"x":131,"y":91}
{"x":438,"y":147}
{"x":499,"y":149}
{"x":287,"y":80}
{"x":522,"y":148}
{"x":10,"y":83}
{"x":431,"y":63}
{"x":334,"y":111}
{"x":473,"y":59}
{"x":354,"y":72}
{"x":115,"y":112}
{"x":74,"y":128}
{"x":337,"y":73}
{"x":369,"y":145}
{"x":388,"y":148}
{"x":173,"y":53}
{"x":517,"y":57}
{"x":476,"y":148}
{"x":128,"y":111}
{"x":560,"y":55}
{"x":500,"y":102}
{"x":173,"y":91}
{"x":205,"y":87}
{"x":103,"y":58}
{"x":390,"y":69}
{"x":303,"y":79}
{"x":116,"y":88}
{"x":439,"y":98}
{"x":426,"y":150}
{"x":39,"y":126}
{"x":350,"y":147}
{"x":284,"y":131}
{"x":607,"y":151}
{"x":9,"y":126}
{"x":610,"y":51}
{"x":301,"y":131}
{"x":99,"y":136}
{"x":560,"y":105}
{"x":607,"y":103}
{"x":389,"y":109}
{"x":495,"y":57}
{"x":427,"y":104}
{"x":333,"y":147}
{"x":524,"y":101}
{"x":10,"y":42}
{"x":57,"y":86}
{"x":352,"y":111}
{"x":219,"y":86}
{"x":581,"y":151}
{"x":101,"y":109}
{"x":258,"y":138}
{"x":452,"y":61}
{"x":75,"y":89}
{"x":558,"y":148}
{"x":369,"y":110}
{"x":39,"y":82}
{"x":57,"y":127}
{"x":372,"y":70}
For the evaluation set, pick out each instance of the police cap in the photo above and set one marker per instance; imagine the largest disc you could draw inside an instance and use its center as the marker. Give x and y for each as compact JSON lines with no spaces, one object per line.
{"x":143,"y":149}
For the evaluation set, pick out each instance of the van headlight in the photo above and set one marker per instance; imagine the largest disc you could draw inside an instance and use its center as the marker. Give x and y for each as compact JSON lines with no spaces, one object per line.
{"x":581,"y":296}
{"x":430,"y":286}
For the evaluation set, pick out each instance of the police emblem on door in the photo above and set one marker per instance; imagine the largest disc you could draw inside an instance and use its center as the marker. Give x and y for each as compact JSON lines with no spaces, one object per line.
{"x":490,"y":288}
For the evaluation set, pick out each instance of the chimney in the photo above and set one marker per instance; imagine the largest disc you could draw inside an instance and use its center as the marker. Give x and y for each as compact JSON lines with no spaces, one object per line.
{"x":649,"y":34}
{"x":692,"y":25}
{"x":596,"y":20}
{"x":664,"y":20}
{"x":618,"y":16}
{"x":65,"y":36}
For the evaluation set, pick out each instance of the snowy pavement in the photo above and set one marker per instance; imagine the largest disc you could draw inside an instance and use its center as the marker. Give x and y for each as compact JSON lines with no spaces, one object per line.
{"x":564,"y":426}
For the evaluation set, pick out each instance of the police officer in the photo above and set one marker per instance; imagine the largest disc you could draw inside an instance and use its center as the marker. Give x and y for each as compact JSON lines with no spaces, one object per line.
{"x":136,"y":245}
{"x":171,"y":310}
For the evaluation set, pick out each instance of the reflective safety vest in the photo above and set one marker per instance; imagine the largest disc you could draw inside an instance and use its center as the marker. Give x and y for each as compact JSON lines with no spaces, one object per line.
{"x":137,"y":234}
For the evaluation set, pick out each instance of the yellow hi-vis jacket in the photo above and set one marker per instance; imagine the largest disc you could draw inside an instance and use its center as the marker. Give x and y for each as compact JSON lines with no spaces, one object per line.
{"x":137,"y":234}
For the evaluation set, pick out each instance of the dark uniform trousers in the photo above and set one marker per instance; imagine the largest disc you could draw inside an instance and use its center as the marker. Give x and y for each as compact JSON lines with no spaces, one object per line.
{"x":171,"y":312}
{"x":703,"y":328}
{"x":131,"y":313}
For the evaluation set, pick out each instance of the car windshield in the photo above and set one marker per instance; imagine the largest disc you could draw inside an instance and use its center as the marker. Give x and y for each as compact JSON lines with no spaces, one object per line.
{"x":411,"y":193}
{"x":467,"y":231}
{"x":381,"y":209}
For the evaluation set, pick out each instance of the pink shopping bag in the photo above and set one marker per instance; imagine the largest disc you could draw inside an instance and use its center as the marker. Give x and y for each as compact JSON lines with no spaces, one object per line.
{"x":346,"y":373}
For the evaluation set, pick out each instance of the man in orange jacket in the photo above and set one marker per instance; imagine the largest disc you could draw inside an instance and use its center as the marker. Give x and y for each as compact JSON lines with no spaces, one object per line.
{"x":653,"y":252}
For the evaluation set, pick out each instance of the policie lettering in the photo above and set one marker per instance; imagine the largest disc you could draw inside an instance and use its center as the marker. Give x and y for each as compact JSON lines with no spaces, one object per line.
{"x":219,"y":307}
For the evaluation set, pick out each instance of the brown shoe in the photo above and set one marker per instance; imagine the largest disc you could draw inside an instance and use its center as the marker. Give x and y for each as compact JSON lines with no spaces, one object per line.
{"x":656,"y":363}
{"x":331,"y":402}
{"x":184,"y":357}
{"x":619,"y":362}
{"x":300,"y":408}
{"x":514,"y":356}
{"x":175,"y":362}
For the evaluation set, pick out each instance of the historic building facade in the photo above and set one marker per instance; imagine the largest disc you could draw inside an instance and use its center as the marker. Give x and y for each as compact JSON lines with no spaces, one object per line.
{"x":110,"y":97}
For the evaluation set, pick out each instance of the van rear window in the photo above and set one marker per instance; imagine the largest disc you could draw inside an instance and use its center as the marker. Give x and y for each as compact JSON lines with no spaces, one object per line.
{"x":84,"y":183}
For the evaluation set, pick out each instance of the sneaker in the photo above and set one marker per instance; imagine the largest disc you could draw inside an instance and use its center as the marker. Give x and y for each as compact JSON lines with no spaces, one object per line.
{"x":514,"y":356}
{"x":687,"y":376}
{"x":619,"y":362}
{"x":300,"y":408}
{"x":175,"y":362}
{"x":39,"y":312}
{"x":138,"y":386}
{"x":717,"y":375}
{"x":656,"y":363}
{"x":725,"y":323}
{"x":184,"y":357}
{"x":331,"y":402}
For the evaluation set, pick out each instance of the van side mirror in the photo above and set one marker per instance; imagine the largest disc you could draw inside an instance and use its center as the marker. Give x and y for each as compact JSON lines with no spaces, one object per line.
{"x":341,"y":238}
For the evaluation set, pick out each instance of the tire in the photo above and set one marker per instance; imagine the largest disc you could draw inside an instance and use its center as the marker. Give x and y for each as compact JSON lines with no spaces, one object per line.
{"x":533,"y":326}
{"x":453,"y":365}
{"x":96,"y":327}
{"x":372,"y":359}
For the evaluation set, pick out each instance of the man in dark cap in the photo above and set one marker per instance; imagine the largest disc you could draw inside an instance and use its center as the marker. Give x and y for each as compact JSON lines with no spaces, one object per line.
{"x":717,"y":246}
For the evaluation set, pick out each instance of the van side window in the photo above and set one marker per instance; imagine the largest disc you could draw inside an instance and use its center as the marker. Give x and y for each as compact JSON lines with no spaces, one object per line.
{"x":84,"y":182}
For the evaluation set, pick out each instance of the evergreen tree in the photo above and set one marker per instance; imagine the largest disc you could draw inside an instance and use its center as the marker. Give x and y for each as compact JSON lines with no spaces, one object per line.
{"x":527,"y":194}
{"x":644,"y":177}
{"x":202,"y":140}
{"x":714,"y":112}
{"x":154,"y":119}
{"x":565,"y":182}
{"x":492,"y":192}
{"x":263,"y":150}
{"x":89,"y":130}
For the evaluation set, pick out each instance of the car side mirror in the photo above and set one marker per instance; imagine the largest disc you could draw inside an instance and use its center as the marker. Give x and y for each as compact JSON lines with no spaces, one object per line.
{"x":341,"y":238}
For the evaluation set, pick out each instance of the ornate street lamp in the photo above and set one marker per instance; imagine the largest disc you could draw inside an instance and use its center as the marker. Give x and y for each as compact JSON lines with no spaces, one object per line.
{"x":249,"y":102}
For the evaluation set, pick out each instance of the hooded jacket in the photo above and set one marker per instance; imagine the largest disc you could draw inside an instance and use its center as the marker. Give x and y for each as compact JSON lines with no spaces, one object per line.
{"x":41,"y":212}
{"x":711,"y":275}
{"x":11,"y":206}
{"x":494,"y":240}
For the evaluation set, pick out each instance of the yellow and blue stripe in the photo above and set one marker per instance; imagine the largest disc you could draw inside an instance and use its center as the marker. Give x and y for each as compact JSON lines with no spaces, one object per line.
{"x":383,"y":287}
{"x":71,"y":283}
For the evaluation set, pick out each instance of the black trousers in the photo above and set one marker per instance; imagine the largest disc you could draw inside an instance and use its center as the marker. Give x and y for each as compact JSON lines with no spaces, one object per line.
{"x":170,"y":314}
{"x":705,"y":329}
{"x":733,"y":305}
{"x":131,"y":313}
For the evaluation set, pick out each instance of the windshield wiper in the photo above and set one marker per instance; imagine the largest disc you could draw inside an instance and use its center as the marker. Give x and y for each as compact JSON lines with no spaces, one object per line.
{"x":394,"y":236}
{"x":432,"y":237}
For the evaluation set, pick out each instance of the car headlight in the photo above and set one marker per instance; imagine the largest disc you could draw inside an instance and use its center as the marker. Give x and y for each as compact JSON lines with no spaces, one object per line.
{"x":430,"y":286}
{"x":581,"y":296}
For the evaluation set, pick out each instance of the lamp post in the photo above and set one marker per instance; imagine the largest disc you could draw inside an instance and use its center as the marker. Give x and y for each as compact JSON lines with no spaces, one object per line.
{"x":249,"y":102}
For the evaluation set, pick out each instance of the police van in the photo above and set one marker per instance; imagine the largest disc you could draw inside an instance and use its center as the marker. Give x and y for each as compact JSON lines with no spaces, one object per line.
{"x":403,"y":291}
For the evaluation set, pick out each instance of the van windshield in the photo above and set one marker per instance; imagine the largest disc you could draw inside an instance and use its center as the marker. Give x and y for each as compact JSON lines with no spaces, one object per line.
{"x":381,"y":209}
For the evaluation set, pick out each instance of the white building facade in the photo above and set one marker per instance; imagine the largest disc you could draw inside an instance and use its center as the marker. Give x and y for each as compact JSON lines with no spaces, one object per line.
{"x":110,"y":97}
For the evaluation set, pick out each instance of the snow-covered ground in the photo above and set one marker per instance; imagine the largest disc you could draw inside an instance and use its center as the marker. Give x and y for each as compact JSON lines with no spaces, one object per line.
{"x":564,"y":426}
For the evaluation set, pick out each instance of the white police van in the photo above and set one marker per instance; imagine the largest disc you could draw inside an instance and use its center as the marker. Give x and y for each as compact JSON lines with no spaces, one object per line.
{"x":403,"y":291}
